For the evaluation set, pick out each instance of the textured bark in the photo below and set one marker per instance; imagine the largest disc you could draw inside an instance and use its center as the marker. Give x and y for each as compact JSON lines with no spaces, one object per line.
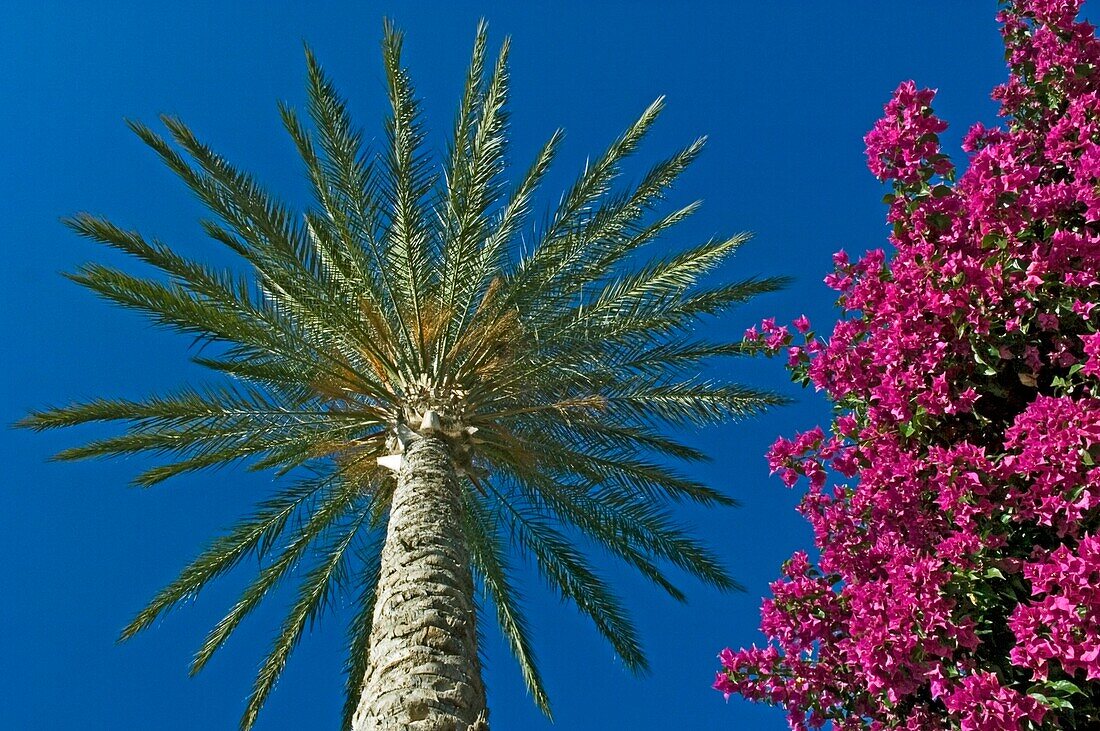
{"x":424,"y":672}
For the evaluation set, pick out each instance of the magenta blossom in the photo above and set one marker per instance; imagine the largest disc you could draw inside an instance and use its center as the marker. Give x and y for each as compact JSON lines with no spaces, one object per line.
{"x":955,"y":500}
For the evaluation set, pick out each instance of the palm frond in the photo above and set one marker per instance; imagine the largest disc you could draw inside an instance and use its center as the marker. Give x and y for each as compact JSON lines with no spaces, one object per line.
{"x":253,"y":535}
{"x":556,"y":458}
{"x":701,"y":403}
{"x":514,"y":214}
{"x":314,"y":591}
{"x":573,"y":505}
{"x":353,"y":205}
{"x":473,"y":187}
{"x":614,"y":230}
{"x":406,"y":183}
{"x":565,"y":569}
{"x":557,"y":251}
{"x":488,"y":552}
{"x":334,"y":506}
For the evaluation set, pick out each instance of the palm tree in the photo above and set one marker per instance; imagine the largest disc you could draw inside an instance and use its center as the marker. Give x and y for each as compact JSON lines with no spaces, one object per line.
{"x":446,"y":394}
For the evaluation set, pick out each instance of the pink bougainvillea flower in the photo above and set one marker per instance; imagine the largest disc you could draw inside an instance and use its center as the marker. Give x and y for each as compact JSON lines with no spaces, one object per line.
{"x":955,"y":501}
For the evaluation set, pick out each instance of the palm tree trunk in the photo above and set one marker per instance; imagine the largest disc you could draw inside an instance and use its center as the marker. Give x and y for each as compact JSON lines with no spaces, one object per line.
{"x":423,"y":672}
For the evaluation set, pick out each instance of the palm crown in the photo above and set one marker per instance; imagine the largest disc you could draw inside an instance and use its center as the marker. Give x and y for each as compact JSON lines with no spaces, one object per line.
{"x":550,"y":368}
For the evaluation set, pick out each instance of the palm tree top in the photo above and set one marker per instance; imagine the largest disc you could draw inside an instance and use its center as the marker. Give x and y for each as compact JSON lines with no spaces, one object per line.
{"x":417,"y":293}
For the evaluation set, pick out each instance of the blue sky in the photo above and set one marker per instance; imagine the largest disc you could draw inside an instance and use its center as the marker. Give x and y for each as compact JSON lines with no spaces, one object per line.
{"x":785,"y":91}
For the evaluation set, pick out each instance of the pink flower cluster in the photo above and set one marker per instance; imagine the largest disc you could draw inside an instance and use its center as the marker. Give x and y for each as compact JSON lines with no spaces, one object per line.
{"x":1060,"y":625}
{"x":1048,"y":464}
{"x":981,"y":703}
{"x":955,"y":501}
{"x":904,"y":145}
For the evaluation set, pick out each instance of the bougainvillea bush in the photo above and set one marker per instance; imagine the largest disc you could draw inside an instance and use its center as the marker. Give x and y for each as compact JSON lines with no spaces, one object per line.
{"x":955,"y":501}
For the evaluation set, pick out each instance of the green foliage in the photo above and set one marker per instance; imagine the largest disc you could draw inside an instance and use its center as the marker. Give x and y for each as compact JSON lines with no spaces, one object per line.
{"x":399,"y":289}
